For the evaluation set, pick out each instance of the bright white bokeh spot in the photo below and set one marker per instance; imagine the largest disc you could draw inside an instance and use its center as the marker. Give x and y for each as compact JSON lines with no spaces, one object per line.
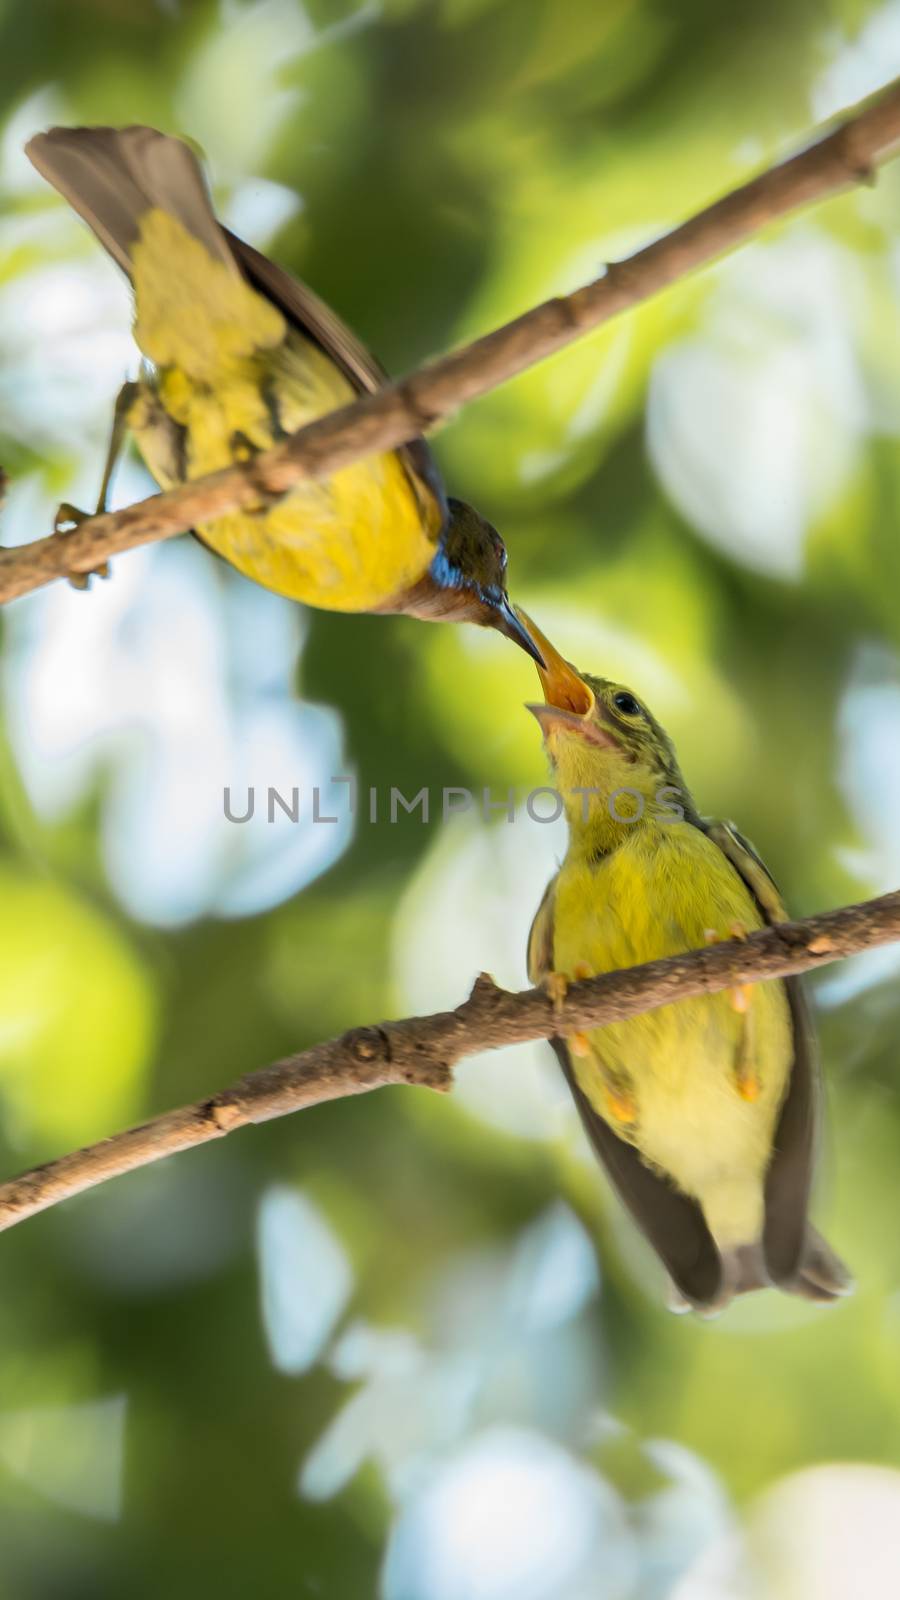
{"x":173,"y":682}
{"x":855,"y":976}
{"x":305,"y":1278}
{"x":406,"y":1403}
{"x":42,"y":109}
{"x":506,"y":1341}
{"x":469,"y":907}
{"x":233,"y":95}
{"x":554,"y":1274}
{"x":679,"y":1522}
{"x":257,"y":208}
{"x":511,"y":1516}
{"x":362,"y":1351}
{"x":65,"y":338}
{"x":868,"y":776}
{"x":860,"y":65}
{"x":828,"y":1533}
{"x":72,"y":1455}
{"x":754,"y":422}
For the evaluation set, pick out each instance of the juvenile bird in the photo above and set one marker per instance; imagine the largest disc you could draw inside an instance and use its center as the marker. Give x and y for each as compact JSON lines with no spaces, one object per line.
{"x":703,"y":1112}
{"x":238,"y":354}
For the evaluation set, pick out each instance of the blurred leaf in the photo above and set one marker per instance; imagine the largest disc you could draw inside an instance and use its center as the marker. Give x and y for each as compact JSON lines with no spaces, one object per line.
{"x":77,"y":1017}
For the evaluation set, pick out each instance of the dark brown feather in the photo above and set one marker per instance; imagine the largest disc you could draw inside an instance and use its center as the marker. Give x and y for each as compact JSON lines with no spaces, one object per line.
{"x":671,"y":1222}
{"x":796,"y":1257}
{"x":113,"y":176}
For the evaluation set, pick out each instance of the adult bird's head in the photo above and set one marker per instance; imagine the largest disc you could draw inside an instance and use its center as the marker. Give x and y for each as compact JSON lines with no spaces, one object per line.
{"x":466,"y":581}
{"x":600,"y":736}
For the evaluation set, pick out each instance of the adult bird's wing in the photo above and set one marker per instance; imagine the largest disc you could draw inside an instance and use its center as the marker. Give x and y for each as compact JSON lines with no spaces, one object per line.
{"x":671,"y":1222}
{"x":302,"y":307}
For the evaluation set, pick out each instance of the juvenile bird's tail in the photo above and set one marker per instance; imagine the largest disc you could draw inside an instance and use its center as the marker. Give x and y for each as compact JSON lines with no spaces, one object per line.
{"x":820,"y":1275}
{"x":113,"y":176}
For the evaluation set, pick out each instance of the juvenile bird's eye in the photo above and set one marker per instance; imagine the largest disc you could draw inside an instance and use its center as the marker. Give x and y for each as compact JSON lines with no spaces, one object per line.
{"x":626,"y":703}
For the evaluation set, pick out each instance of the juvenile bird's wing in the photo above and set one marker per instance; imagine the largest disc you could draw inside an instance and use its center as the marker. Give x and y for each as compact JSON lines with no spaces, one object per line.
{"x":540,"y":937}
{"x":673,"y":1224}
{"x":302,"y":307}
{"x":795,"y":1256}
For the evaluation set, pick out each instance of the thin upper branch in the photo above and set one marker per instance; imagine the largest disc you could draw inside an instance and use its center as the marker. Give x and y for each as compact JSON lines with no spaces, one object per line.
{"x":847,"y":155}
{"x":423,"y":1050}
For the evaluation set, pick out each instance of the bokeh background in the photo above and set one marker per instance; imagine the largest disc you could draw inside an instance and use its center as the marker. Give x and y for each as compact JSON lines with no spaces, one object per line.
{"x":404,"y":1346}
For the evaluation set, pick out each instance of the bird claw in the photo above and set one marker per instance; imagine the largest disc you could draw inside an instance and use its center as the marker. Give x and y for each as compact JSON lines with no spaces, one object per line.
{"x":746,"y":1077}
{"x":68,"y":518}
{"x":555,"y":986}
{"x":741,"y":995}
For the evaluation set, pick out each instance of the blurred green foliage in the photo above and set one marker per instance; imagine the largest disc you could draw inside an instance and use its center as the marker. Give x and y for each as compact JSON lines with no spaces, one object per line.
{"x":455,"y":161}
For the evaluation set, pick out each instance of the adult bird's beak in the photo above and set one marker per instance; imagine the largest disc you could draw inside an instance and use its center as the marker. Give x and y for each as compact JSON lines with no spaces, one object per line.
{"x":508,"y":620}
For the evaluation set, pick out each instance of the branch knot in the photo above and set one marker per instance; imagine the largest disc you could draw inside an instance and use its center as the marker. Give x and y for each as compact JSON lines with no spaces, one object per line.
{"x":367,"y":1044}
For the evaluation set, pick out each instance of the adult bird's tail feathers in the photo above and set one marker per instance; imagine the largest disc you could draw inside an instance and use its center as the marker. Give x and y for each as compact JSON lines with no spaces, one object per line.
{"x":113,"y":176}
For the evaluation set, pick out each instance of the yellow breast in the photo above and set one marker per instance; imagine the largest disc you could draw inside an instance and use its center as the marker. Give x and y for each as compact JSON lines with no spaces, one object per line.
{"x":670,"y":1081}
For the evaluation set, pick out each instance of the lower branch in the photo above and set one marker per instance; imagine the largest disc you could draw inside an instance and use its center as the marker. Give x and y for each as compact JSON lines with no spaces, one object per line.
{"x":423,"y":1050}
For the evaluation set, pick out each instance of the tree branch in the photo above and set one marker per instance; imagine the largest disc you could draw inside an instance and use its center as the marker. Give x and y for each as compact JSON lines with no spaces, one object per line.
{"x":401,"y":411}
{"x":423,"y":1050}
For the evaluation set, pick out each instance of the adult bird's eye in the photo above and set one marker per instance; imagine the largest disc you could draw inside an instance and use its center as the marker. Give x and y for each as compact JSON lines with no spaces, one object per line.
{"x":626,"y":703}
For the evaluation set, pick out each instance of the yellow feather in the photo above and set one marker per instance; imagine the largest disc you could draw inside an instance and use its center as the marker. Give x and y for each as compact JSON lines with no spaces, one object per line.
{"x":228,"y":365}
{"x":656,"y":895}
{"x":195,"y":313}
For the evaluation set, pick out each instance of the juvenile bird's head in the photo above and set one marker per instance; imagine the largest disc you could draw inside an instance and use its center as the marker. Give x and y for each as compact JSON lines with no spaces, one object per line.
{"x":466,"y":581}
{"x":600,"y":737}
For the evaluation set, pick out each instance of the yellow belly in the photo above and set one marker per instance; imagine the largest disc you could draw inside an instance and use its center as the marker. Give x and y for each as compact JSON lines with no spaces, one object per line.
{"x":232,"y":374}
{"x":670,"y":1081}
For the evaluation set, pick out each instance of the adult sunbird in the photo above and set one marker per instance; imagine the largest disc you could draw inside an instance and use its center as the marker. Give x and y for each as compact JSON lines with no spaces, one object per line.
{"x":238,"y":354}
{"x":704,"y":1111}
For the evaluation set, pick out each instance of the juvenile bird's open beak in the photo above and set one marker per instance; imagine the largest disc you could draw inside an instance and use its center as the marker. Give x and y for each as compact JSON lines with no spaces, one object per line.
{"x":563,"y":689}
{"x":508,"y":620}
{"x":568,"y":700}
